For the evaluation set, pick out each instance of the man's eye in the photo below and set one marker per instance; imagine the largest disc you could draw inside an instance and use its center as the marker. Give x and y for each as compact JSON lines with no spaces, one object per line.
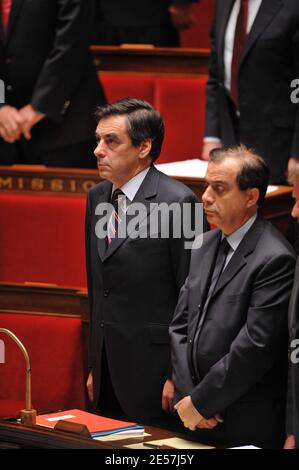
{"x":219,"y":189}
{"x":111,"y":142}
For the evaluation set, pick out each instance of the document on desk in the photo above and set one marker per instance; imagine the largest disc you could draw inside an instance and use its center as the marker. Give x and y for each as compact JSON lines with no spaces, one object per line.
{"x":173,"y":442}
{"x":118,"y":437}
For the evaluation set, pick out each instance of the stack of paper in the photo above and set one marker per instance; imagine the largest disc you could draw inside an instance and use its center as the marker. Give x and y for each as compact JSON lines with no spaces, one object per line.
{"x":97,"y":425}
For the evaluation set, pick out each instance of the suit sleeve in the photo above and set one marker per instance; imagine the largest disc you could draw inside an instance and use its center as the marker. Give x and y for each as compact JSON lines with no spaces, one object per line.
{"x":181,"y":374}
{"x":67,"y":61}
{"x":180,"y":247}
{"x":212,"y":122}
{"x":295,"y":143}
{"x":254,"y":350}
{"x":89,"y":275}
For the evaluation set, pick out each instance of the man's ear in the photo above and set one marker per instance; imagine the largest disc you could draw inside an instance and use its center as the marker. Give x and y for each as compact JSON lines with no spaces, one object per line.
{"x":253,"y":196}
{"x":145,"y":148}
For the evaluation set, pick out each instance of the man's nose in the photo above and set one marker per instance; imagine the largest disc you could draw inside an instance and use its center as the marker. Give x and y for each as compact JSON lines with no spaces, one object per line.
{"x":99,"y":151}
{"x":207,"y":196}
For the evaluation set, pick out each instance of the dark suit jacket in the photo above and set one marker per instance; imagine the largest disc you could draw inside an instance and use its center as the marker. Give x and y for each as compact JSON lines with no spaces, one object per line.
{"x":242,"y":344}
{"x":133,"y":289}
{"x":293,"y":383}
{"x":136,"y":12}
{"x":269,"y":121}
{"x":44,"y":61}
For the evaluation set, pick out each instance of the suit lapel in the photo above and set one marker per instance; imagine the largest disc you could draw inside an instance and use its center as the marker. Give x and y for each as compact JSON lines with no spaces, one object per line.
{"x":145,"y":196}
{"x":104,"y":197}
{"x":14,"y":13}
{"x":238,"y":261}
{"x":267,"y":11}
{"x":207,"y":262}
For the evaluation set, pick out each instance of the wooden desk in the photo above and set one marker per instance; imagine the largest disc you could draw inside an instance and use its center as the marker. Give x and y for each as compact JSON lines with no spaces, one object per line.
{"x":168,"y":60}
{"x":14,"y":435}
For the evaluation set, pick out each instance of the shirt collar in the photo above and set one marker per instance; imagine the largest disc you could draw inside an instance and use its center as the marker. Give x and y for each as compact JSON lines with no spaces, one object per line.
{"x":235,"y":238}
{"x":131,"y":187}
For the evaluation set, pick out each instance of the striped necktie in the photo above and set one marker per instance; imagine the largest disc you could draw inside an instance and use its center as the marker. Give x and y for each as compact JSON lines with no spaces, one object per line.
{"x":239,"y":43}
{"x":5,"y":11}
{"x":118,"y":201}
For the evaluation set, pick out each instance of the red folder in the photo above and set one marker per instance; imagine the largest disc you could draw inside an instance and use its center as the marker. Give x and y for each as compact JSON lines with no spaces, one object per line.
{"x":97,"y":425}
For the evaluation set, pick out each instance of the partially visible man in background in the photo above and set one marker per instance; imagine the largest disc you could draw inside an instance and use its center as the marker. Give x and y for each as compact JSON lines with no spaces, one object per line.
{"x":254,"y":59}
{"x":50,"y":83}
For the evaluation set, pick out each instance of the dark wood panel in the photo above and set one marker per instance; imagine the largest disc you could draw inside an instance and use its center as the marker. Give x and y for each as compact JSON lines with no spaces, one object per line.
{"x":147,"y":59}
{"x":39,"y":178}
{"x":43,"y":299}
{"x":14,"y":435}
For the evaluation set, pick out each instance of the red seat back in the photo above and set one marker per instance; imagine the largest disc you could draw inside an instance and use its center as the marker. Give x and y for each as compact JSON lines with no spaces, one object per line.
{"x":42,"y":239}
{"x":118,"y":86}
{"x":182,"y":104}
{"x":55,"y":348}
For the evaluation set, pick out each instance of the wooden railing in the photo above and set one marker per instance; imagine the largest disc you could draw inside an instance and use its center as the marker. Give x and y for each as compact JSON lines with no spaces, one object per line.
{"x":151,"y":60}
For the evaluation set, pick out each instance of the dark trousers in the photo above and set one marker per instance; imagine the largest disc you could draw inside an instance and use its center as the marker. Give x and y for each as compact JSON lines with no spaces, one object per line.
{"x":109,"y":405}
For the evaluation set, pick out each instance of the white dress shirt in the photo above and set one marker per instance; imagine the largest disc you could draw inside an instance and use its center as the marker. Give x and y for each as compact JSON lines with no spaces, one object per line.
{"x":235,"y":238}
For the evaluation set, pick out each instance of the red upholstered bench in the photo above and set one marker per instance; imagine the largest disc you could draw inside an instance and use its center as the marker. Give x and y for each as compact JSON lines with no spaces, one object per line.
{"x":42,"y":239}
{"x":55,"y":348}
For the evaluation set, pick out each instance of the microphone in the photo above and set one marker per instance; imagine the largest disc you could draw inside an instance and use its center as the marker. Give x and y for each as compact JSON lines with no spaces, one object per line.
{"x":28,"y":415}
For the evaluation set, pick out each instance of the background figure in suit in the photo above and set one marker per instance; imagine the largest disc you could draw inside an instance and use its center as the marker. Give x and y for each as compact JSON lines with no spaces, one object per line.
{"x":292,"y":440}
{"x":133,"y":283}
{"x":254,"y":59}
{"x":50,"y":83}
{"x":142,"y":21}
{"x":229,"y":332}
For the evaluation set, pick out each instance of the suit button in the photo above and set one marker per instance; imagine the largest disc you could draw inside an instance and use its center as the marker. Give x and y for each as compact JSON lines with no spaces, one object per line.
{"x":192,"y":377}
{"x":102,"y":325}
{"x":9,"y":87}
{"x":106,"y":292}
{"x":190,"y":341}
{"x":8,"y":60}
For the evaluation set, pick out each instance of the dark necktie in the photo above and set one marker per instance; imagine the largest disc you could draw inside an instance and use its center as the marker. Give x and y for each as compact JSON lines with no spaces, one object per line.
{"x":222,"y":252}
{"x":218,"y":268}
{"x":117,"y":215}
{"x":239,"y":43}
{"x":5,"y":11}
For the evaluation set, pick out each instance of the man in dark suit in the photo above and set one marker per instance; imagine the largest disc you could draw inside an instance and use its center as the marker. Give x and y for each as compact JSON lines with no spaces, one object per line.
{"x":142,"y":21}
{"x":292,"y":440}
{"x":254,"y":59}
{"x":134,"y":278}
{"x":229,"y":332}
{"x":51,"y":87}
